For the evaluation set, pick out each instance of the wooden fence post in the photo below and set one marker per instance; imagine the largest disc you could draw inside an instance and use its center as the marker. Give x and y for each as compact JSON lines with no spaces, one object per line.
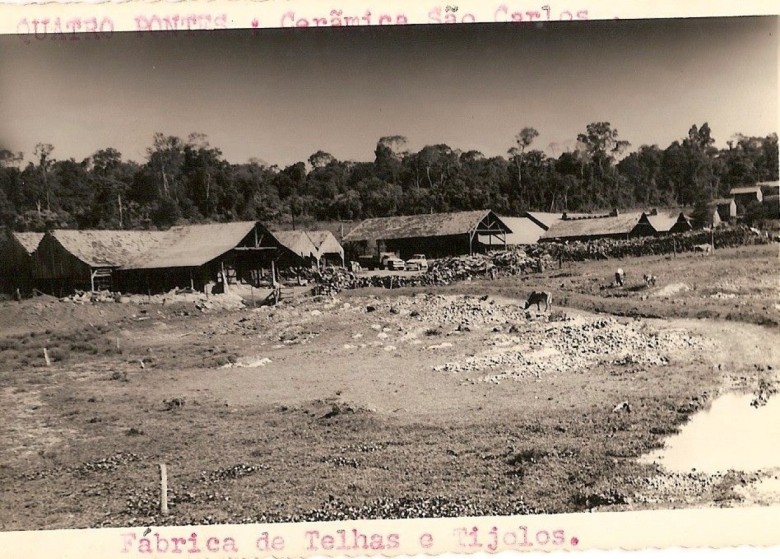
{"x":163,"y":489}
{"x":46,"y":357}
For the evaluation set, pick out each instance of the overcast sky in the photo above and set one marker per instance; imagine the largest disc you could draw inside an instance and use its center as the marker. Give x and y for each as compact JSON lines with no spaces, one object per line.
{"x":281,"y":95}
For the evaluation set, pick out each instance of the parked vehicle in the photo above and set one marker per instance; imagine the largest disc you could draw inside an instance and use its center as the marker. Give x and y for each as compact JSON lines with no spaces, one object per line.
{"x":385,"y":261}
{"x":417,"y":262}
{"x":390,"y":261}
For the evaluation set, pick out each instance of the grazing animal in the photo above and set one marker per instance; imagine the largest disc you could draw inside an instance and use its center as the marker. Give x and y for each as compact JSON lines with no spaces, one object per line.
{"x":649,"y":280}
{"x":705,"y":249}
{"x":537,"y":298}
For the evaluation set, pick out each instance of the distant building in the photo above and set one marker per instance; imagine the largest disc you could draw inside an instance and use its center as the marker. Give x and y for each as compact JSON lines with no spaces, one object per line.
{"x":296,"y":250}
{"x":435,"y":235}
{"x":16,"y":257}
{"x":745,"y":195}
{"x":329,"y":250}
{"x":682,"y":224}
{"x":657,"y":222}
{"x":202,"y":257}
{"x":189,"y":256}
{"x":726,"y":209}
{"x":525,"y":231}
{"x":67,"y":260}
{"x":615,"y":225}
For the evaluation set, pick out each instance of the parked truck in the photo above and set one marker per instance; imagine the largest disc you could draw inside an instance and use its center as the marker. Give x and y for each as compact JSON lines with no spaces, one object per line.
{"x":385,"y":261}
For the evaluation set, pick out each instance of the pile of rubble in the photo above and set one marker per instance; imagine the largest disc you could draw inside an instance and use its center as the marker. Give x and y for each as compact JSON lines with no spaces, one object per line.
{"x":492,"y":264}
{"x":570,"y":345}
{"x":202,"y":302}
{"x":82,"y":297}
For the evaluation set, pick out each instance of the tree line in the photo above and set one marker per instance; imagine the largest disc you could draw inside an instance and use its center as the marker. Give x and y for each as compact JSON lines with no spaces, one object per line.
{"x":189,"y":181}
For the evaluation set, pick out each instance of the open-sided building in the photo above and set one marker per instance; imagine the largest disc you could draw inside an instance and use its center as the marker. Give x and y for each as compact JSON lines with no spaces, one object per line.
{"x":435,"y":235}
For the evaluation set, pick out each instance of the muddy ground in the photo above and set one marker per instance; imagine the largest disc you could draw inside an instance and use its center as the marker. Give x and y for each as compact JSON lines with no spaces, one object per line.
{"x":450,"y":401}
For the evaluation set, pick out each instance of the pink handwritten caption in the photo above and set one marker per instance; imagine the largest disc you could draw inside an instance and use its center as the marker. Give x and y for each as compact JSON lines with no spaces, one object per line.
{"x":470,"y":538}
{"x":74,"y":28}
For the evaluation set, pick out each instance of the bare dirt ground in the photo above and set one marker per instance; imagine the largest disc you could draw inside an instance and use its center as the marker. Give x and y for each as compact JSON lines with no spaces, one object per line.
{"x":375,"y":403}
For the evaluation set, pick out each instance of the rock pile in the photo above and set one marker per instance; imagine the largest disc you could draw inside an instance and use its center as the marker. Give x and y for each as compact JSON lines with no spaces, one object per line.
{"x":568,"y":346}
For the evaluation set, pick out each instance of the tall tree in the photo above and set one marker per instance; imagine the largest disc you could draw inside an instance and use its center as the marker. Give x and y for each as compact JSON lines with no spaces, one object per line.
{"x":42,"y":153}
{"x":523,"y":141}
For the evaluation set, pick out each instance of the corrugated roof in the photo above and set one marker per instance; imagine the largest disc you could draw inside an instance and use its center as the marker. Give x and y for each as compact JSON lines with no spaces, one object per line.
{"x":297,"y":242}
{"x":108,"y":248}
{"x":412,"y":226}
{"x":525,"y":231}
{"x":190,"y":246}
{"x":29,"y":240}
{"x":745,"y":190}
{"x":593,"y":227}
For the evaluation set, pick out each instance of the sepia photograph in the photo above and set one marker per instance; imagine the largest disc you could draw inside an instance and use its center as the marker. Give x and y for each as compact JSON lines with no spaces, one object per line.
{"x":388,"y":272}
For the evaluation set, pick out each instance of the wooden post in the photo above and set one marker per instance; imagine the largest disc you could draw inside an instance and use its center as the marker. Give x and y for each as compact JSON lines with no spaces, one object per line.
{"x":163,"y":489}
{"x":46,"y":357}
{"x":225,"y":288}
{"x":92,"y":279}
{"x":712,"y":238}
{"x":252,"y":292}
{"x":273,"y":274}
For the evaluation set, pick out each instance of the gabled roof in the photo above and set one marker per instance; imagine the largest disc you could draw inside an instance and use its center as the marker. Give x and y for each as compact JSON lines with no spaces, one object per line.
{"x":29,"y":240}
{"x":745,"y":190}
{"x":424,"y":225}
{"x":108,"y":248}
{"x":525,"y":231}
{"x":621,"y":224}
{"x":664,"y":219}
{"x":722,"y":202}
{"x":297,"y":242}
{"x":190,"y":246}
{"x":325,"y":242}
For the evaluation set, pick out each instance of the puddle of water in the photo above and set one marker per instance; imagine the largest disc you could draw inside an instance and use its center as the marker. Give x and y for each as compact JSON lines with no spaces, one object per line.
{"x":731,"y":435}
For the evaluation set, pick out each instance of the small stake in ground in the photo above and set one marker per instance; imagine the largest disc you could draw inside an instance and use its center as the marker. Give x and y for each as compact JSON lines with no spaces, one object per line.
{"x":163,"y":489}
{"x":46,"y":357}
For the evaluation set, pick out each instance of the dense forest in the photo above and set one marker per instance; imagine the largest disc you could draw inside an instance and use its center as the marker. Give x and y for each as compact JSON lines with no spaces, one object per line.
{"x":189,"y":181}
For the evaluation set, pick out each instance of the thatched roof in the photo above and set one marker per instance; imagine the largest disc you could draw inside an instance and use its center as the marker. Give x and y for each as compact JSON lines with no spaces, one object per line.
{"x":424,"y":225}
{"x":29,"y":240}
{"x":605,"y":226}
{"x":112,"y":249}
{"x":297,"y":242}
{"x":191,"y":246}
